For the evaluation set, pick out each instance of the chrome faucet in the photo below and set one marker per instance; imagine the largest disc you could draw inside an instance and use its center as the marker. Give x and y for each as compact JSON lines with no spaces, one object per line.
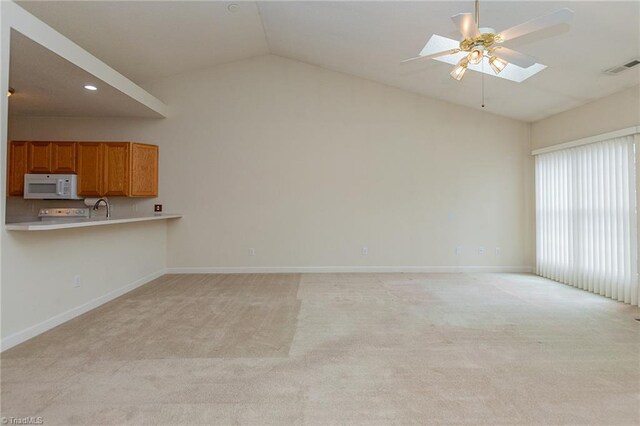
{"x":106,"y":203}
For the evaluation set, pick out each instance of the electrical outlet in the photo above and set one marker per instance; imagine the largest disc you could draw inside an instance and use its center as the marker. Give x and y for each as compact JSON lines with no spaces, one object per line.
{"x":364,"y":251}
{"x":157,"y":208}
{"x":77,"y":281}
{"x":252,"y":251}
{"x":498,"y":251}
{"x":480,"y":250}
{"x":458,"y":251}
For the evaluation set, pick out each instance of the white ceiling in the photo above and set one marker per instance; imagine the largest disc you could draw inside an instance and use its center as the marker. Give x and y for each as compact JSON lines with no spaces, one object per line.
{"x":149,"y":40}
{"x":47,"y":84}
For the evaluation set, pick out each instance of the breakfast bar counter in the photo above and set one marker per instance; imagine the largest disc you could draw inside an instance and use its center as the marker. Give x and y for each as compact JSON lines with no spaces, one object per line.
{"x":48,"y":225}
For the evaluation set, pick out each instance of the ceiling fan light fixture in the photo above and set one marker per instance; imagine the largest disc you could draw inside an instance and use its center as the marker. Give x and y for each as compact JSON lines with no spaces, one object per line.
{"x":460,"y":69}
{"x":475,"y":56}
{"x":497,"y":64}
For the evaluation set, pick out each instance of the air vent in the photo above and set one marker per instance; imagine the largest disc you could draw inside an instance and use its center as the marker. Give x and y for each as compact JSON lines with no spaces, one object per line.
{"x":620,"y":68}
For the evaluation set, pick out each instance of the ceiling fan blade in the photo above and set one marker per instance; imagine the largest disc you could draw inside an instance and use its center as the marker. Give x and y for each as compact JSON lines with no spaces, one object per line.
{"x":466,"y":24}
{"x":559,"y":17}
{"x":511,"y":56}
{"x":433,"y":55}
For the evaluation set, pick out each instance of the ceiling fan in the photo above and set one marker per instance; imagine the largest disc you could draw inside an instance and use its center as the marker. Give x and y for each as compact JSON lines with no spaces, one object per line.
{"x":483,"y":43}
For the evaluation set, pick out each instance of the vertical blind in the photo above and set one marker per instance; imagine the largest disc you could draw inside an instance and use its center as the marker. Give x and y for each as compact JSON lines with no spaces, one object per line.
{"x":586,"y":232}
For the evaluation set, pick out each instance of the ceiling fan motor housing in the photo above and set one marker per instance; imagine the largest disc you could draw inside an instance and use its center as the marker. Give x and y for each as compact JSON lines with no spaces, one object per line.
{"x":484,"y":39}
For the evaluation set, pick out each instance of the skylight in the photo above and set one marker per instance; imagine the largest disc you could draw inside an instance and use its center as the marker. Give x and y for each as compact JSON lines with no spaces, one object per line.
{"x":512,"y":72}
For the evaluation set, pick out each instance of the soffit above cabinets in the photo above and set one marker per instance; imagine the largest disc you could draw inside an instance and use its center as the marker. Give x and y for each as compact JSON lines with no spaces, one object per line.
{"x":46,"y":84}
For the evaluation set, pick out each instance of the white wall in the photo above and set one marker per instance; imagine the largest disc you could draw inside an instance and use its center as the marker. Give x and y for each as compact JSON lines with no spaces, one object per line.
{"x":614,"y":112}
{"x":307,"y":166}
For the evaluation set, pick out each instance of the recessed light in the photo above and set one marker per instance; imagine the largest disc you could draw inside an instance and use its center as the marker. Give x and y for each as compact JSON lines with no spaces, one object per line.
{"x":11,"y":91}
{"x":233,"y":8}
{"x":90,"y":87}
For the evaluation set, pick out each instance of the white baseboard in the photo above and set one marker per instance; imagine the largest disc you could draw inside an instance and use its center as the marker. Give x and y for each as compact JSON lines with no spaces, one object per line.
{"x":338,"y":269}
{"x":28,"y":333}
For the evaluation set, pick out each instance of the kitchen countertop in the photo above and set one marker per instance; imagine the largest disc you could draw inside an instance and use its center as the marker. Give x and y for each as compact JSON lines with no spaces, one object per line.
{"x":47,"y":225}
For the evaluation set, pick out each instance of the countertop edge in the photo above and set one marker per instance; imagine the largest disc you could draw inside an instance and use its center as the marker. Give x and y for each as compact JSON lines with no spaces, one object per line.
{"x":31,"y":226}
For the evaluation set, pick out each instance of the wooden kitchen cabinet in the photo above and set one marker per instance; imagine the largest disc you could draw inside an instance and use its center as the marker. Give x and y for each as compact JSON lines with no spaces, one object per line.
{"x":113,"y":169}
{"x":16,"y":167}
{"x":90,"y":169}
{"x":144,"y":170}
{"x":116,"y":168}
{"x":51,"y":157}
{"x":63,"y":157}
{"x":39,"y":157}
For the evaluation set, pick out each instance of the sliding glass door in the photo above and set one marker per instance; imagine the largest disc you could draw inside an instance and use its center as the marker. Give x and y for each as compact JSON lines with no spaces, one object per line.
{"x":586,"y":223}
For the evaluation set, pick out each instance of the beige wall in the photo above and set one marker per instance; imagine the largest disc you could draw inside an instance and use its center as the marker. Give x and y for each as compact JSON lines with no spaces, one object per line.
{"x":614,"y":112}
{"x":307,"y":166}
{"x":38,"y":271}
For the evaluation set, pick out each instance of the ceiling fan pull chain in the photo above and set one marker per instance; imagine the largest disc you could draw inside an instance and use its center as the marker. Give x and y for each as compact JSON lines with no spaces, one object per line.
{"x":482,"y":82}
{"x":482,"y":59}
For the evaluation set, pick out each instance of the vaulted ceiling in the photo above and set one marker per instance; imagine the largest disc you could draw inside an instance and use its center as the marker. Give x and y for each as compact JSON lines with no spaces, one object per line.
{"x":150,"y":40}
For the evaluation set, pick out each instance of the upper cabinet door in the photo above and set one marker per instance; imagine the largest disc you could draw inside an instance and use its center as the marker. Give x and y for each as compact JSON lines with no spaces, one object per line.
{"x":39,"y":159}
{"x":116,"y":168}
{"x":90,"y":169}
{"x":17,"y":167}
{"x":144,"y":170}
{"x":63,"y":157}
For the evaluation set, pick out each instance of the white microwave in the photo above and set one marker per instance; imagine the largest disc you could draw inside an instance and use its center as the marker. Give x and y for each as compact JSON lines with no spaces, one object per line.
{"x":51,"y":187}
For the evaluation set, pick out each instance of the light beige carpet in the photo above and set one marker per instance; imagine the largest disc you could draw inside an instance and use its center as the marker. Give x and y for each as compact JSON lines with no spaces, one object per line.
{"x":377,"y":349}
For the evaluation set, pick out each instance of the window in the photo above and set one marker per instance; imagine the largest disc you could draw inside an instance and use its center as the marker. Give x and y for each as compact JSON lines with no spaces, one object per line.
{"x":586,"y":218}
